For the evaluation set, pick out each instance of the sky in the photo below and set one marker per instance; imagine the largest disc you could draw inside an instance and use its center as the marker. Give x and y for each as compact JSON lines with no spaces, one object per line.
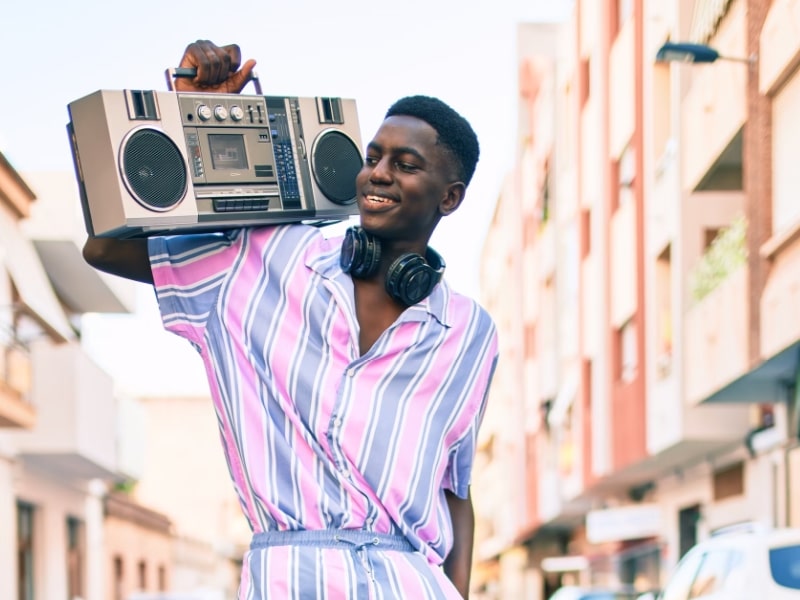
{"x":374,"y":52}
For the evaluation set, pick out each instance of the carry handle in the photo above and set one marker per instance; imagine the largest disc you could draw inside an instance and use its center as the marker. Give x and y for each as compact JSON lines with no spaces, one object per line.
{"x":172,"y":73}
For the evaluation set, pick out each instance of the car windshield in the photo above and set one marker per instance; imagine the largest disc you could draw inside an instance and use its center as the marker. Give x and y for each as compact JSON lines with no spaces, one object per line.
{"x":784,"y":564}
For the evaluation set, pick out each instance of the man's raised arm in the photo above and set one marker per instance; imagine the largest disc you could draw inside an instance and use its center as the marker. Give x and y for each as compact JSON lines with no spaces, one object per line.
{"x":125,"y":258}
{"x":219,"y":69}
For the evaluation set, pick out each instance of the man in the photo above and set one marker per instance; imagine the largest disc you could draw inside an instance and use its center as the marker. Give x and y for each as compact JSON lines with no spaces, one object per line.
{"x":349,"y":380}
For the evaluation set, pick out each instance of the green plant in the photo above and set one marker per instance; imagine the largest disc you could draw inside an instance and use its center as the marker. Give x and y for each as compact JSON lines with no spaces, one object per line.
{"x":125,"y":486}
{"x":726,"y":253}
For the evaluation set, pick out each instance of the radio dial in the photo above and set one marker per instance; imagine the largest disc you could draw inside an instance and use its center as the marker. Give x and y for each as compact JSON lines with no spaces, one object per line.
{"x":237,"y":114}
{"x":220,"y":112}
{"x":204,"y":112}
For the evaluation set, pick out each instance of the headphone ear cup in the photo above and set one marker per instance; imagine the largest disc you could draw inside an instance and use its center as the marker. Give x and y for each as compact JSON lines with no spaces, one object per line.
{"x":361,"y":253}
{"x":410,"y":279}
{"x":372,"y":254}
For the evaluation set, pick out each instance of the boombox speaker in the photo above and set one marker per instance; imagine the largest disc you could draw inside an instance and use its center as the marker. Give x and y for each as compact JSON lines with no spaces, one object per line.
{"x":151,"y":163}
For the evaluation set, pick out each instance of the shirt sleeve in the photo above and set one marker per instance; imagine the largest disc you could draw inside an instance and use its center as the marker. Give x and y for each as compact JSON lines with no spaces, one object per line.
{"x":462,"y":457}
{"x":188,"y":271}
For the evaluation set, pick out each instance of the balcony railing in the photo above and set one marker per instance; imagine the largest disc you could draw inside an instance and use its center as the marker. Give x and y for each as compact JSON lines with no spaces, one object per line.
{"x":716,"y":337}
{"x":725,"y":255}
{"x":76,"y":425}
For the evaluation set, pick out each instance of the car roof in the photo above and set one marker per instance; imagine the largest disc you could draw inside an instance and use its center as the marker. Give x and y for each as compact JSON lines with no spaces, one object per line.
{"x":769,"y":538}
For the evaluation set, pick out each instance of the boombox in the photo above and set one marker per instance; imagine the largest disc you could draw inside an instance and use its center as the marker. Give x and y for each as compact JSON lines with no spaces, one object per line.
{"x":151,"y":162}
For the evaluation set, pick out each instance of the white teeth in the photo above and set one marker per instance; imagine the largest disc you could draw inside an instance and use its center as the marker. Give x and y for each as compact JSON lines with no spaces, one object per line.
{"x":380,"y":199}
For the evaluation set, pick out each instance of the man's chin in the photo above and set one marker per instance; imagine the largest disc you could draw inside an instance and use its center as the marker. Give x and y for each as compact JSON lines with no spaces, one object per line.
{"x":372,"y":223}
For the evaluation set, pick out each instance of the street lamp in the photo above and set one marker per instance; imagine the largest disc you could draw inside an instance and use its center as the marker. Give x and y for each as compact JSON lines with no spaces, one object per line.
{"x":694,"y":53}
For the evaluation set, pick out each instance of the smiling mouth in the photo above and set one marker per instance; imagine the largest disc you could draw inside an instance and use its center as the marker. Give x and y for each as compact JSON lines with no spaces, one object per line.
{"x":374,"y":200}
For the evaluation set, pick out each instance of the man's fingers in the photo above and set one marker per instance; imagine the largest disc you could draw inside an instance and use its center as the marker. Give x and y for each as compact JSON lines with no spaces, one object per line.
{"x":234,"y":55}
{"x":218,"y":68}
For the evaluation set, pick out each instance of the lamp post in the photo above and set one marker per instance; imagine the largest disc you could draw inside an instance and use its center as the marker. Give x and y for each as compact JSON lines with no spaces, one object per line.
{"x":756,"y":156}
{"x":694,"y":53}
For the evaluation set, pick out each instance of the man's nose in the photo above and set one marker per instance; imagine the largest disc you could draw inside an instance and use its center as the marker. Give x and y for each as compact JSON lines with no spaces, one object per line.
{"x":381,"y":172}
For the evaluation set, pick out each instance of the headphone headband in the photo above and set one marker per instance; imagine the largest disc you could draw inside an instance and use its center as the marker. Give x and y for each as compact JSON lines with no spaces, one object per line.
{"x":410,"y":278}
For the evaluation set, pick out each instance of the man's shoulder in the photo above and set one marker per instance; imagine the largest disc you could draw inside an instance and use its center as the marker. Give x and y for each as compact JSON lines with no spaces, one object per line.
{"x":293,"y":235}
{"x":465,"y":308}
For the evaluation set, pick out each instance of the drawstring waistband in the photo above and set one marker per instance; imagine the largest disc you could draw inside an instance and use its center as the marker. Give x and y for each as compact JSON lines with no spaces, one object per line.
{"x":331,"y":538}
{"x":360,"y":542}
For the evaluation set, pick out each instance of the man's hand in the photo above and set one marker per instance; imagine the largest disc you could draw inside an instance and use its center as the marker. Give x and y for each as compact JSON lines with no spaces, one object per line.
{"x":218,"y":68}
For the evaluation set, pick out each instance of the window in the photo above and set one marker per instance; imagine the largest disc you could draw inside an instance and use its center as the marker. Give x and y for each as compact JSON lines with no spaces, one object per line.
{"x":585,"y":232}
{"x":662,"y":113}
{"x":628,"y":352}
{"x":784,"y":565}
{"x":687,"y":528}
{"x":710,"y":578}
{"x":681,"y":580}
{"x":119,"y":574}
{"x":545,"y":196}
{"x":142,"y":575}
{"x":75,"y":558}
{"x":626,"y":176}
{"x":25,"y":524}
{"x":162,"y":578}
{"x":729,"y":482}
{"x":663,"y":292}
{"x":585,"y":77}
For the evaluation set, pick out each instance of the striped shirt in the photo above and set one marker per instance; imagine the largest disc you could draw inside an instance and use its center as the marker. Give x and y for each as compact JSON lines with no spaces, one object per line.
{"x":316,"y":435}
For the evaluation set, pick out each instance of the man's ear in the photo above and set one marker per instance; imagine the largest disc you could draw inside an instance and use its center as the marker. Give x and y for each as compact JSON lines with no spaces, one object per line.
{"x":453,"y":197}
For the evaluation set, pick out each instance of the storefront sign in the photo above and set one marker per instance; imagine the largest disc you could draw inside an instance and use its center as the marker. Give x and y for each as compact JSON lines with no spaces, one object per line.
{"x":623,"y":523}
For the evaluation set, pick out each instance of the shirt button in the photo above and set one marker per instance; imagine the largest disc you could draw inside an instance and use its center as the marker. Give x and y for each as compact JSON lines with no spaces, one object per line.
{"x":351,"y":372}
{"x":337,"y":421}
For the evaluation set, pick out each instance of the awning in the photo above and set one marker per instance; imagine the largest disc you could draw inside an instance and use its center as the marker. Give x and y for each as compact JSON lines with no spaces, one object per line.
{"x":82,"y":288}
{"x":766,"y":383}
{"x":36,"y":294}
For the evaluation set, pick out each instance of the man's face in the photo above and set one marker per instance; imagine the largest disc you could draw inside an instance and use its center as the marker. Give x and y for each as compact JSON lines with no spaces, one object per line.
{"x":408,"y":182}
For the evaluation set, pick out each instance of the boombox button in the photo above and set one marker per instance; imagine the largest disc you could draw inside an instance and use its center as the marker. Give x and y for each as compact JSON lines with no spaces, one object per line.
{"x":237,"y":114}
{"x":220,"y":112}
{"x":204,"y":112}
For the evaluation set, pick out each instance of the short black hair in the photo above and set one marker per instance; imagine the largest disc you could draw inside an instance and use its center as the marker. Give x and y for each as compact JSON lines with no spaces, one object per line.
{"x":454,"y":131}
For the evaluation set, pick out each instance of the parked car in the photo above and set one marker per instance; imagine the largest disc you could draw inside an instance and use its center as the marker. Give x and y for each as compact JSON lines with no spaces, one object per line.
{"x":580,"y":593}
{"x":739,"y":564}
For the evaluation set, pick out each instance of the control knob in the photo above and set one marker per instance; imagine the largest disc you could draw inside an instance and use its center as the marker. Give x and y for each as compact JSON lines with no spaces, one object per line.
{"x":220,"y":112}
{"x":204,"y":112}
{"x":237,"y":114}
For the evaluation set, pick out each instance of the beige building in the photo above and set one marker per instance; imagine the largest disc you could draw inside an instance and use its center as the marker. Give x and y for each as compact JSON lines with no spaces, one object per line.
{"x":138,"y":547}
{"x":647,"y":390}
{"x":58,"y":410}
{"x":185,"y":477}
{"x":69,"y":438}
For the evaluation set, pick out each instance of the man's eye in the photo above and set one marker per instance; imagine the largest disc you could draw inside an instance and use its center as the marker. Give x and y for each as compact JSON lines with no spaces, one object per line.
{"x":371,"y":161}
{"x":407,"y":167}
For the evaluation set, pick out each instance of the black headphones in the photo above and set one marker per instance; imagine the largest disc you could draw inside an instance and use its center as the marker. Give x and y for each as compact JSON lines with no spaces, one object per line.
{"x":410,"y":277}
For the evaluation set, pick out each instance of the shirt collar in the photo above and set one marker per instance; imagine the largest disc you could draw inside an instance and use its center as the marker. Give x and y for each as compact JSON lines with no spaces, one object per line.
{"x":326,"y":263}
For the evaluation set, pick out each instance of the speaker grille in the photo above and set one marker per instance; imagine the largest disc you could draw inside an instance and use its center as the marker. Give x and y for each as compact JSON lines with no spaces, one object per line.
{"x":153,"y":169}
{"x":336,"y":161}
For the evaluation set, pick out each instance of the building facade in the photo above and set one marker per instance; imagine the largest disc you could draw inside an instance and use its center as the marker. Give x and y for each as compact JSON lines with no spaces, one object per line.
{"x":57,"y":409}
{"x":183,"y":461}
{"x":647,"y":390}
{"x":74,"y":448}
